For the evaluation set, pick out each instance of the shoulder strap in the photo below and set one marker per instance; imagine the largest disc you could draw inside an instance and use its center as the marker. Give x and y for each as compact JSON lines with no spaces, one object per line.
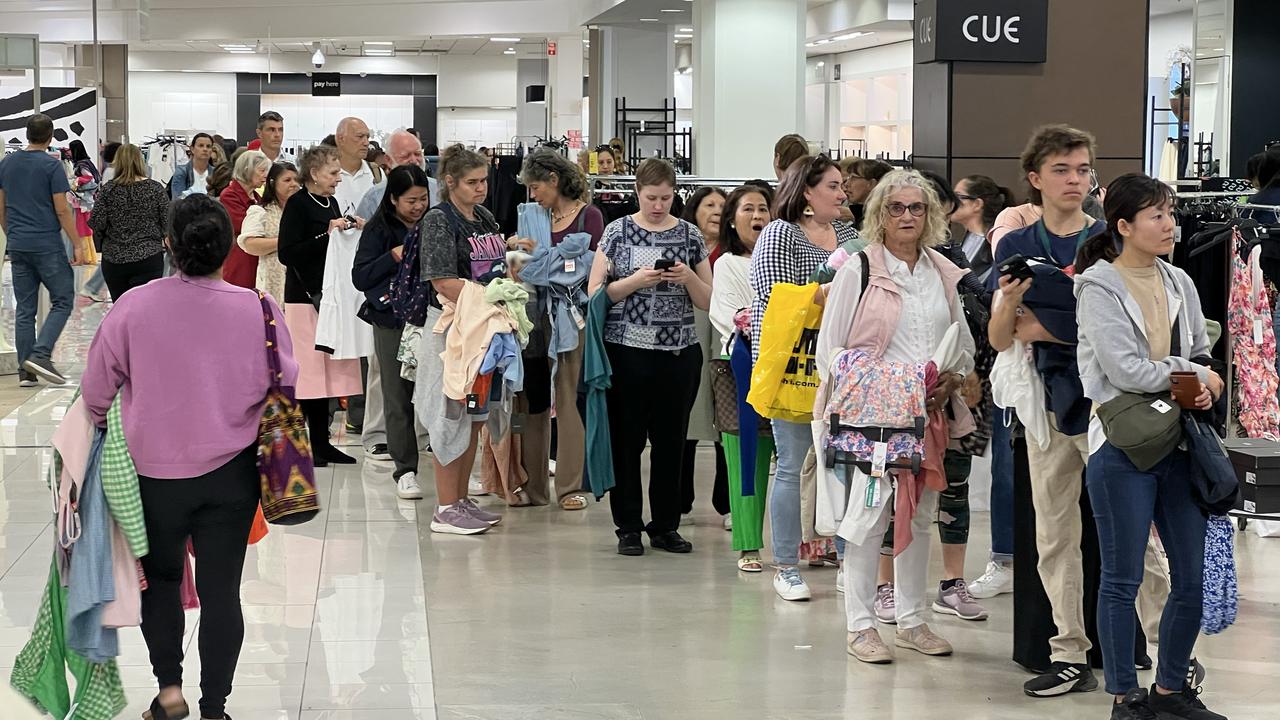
{"x":866,"y":273}
{"x":582,"y":220}
{"x":376,"y":170}
{"x":273,"y":348}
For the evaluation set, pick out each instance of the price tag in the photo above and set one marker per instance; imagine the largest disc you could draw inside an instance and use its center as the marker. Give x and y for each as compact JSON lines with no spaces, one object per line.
{"x":1161,"y":407}
{"x":1257,"y":331}
{"x":570,"y":265}
{"x":872,"y":495}
{"x":577,"y":316}
{"x":473,"y":401}
{"x":879,"y":458}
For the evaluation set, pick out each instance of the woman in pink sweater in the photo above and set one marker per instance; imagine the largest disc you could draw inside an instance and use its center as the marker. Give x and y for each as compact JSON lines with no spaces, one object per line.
{"x":187,"y":355}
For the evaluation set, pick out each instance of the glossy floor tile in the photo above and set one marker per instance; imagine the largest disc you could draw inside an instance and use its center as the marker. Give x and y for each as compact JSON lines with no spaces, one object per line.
{"x":364,"y":614}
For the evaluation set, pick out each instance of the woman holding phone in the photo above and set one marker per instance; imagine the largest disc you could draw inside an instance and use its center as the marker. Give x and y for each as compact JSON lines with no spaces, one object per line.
{"x":1139,"y":323}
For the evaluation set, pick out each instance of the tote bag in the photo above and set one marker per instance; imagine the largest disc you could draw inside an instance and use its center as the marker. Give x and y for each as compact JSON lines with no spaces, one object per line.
{"x":784,"y":382}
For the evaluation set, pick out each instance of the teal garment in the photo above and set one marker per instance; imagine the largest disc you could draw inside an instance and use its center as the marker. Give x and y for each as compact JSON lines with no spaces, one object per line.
{"x":597,"y":375}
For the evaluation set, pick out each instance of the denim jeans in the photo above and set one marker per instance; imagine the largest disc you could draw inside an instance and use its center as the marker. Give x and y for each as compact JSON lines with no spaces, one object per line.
{"x":1125,"y":501}
{"x":30,"y":271}
{"x":793,"y":441}
{"x":1001,"y":488}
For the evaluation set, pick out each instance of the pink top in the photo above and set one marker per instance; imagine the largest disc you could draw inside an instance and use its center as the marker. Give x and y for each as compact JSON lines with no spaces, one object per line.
{"x":188,"y":356}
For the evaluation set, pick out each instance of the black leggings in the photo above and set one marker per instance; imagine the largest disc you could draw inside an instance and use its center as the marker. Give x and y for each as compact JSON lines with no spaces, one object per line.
{"x":123,"y":277}
{"x":216,"y":511}
{"x":316,"y":410}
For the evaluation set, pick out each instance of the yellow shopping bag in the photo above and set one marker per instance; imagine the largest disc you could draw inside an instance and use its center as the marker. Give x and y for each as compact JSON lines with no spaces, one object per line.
{"x":784,"y":381}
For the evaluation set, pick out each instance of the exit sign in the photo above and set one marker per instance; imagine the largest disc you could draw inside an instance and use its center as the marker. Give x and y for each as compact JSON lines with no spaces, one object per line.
{"x":551,"y":49}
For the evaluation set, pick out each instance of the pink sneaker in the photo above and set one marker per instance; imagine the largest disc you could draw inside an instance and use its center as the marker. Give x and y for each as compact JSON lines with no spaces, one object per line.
{"x":472,"y":507}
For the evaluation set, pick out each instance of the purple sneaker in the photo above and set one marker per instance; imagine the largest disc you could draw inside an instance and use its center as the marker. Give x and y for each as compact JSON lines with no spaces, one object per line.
{"x":457,"y":520}
{"x":471,"y":506}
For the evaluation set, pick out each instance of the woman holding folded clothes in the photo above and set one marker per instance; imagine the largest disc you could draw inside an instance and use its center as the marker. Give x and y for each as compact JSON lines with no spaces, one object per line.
{"x":1139,"y":323}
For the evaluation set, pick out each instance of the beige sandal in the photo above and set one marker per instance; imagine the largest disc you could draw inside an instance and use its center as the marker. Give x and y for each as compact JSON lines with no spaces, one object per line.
{"x":750,"y":563}
{"x":574,"y":502}
{"x":521,"y":498}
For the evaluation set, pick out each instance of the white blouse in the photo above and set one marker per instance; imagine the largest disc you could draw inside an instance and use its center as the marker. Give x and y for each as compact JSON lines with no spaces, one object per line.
{"x":730,"y":292}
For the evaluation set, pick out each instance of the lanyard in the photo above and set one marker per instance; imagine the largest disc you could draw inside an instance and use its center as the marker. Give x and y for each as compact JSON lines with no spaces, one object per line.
{"x":1043,"y":233}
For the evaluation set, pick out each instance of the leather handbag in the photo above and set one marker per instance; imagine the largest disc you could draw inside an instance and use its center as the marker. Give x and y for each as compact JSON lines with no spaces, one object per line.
{"x":285,"y":465}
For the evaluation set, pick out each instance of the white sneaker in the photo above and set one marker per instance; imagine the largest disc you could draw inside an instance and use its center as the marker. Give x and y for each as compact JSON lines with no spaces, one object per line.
{"x":789,"y":585}
{"x":475,"y":487}
{"x":997,"y":580}
{"x":840,"y":580}
{"x":551,"y":468}
{"x":728,"y":523}
{"x":407,"y":487}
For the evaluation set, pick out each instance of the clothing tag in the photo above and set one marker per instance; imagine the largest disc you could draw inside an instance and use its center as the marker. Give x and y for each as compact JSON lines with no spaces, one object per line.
{"x":1177,"y":234}
{"x":473,"y":401}
{"x":879,"y":458}
{"x":570,"y":265}
{"x":576,"y":314}
{"x":1250,"y":478}
{"x":1161,"y":407}
{"x":872,"y":495}
{"x":1257,"y":331}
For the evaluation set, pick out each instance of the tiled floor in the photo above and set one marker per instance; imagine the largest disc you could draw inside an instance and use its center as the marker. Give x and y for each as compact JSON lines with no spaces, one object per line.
{"x":363,"y":614}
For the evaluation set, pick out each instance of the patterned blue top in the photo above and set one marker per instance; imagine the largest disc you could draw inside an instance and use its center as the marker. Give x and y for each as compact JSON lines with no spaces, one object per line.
{"x":660,"y":317}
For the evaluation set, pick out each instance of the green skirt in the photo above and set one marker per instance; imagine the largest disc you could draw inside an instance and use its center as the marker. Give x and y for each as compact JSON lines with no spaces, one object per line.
{"x":747,"y":512}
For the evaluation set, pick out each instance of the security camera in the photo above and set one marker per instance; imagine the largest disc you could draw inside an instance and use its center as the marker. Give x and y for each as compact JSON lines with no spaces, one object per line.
{"x":317,"y":59}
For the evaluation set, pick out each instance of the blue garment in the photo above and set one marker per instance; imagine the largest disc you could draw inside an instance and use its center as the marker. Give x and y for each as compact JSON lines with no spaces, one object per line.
{"x":1001,"y":488}
{"x":740,"y":364}
{"x":182,"y":180}
{"x":1125,"y":502}
{"x":30,"y":179}
{"x":503,"y":355}
{"x":373,"y":198}
{"x":534,"y":222}
{"x":597,"y":375}
{"x":90,"y":584}
{"x":31,"y":270}
{"x":1220,"y":588}
{"x":793,"y":441}
{"x":560,"y":273}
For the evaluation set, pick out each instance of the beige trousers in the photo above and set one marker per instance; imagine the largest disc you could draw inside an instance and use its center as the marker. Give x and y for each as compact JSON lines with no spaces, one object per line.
{"x":570,"y":434}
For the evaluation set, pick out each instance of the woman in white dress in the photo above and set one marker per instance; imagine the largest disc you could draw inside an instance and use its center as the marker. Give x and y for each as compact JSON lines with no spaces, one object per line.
{"x":259,"y":235}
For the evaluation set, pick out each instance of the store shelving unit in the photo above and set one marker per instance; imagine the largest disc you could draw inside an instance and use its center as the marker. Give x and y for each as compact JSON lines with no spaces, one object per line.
{"x":876,"y":109}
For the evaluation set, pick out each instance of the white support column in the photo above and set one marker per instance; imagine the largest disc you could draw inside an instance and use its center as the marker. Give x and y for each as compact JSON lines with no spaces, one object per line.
{"x":638,"y":64}
{"x":567,"y":71}
{"x":748,"y":83}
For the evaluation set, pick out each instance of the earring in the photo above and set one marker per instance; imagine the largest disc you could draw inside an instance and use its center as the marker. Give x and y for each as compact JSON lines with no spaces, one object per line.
{"x":808,"y":211}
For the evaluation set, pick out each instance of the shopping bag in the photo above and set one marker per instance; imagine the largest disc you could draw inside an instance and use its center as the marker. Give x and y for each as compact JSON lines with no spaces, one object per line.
{"x":259,"y":529}
{"x":784,"y":382}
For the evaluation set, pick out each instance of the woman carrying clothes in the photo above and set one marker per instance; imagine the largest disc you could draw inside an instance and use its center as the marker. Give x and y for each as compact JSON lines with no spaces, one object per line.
{"x":305,"y":224}
{"x":377,"y":263}
{"x":191,"y":336}
{"x":801,"y":238}
{"x":131,"y":219}
{"x":260,"y":232}
{"x":654,"y":268}
{"x":249,"y":174}
{"x":745,"y":214}
{"x":461,"y":243}
{"x":910,"y":305}
{"x":1139,"y":322}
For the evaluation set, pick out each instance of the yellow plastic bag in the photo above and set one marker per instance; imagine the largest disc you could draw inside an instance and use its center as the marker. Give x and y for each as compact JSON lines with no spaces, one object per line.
{"x":784,"y":382}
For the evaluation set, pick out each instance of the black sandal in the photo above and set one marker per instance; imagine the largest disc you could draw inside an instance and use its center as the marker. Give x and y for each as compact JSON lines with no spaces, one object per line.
{"x":160,"y":712}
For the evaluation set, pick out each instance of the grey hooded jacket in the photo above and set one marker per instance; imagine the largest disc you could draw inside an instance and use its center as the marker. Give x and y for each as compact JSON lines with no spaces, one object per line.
{"x":1114,"y":354}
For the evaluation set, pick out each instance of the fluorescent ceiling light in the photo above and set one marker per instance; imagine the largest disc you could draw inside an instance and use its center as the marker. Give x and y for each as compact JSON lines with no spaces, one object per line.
{"x":667,"y":10}
{"x":241,"y":51}
{"x":648,"y":19}
{"x":504,"y":39}
{"x":811,"y":44}
{"x":685,"y":30}
{"x":378,"y":42}
{"x":848,"y":36}
{"x":508,"y":51}
{"x":821,"y":64}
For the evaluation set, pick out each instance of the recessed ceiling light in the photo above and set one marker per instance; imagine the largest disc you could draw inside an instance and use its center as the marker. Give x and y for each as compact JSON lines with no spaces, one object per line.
{"x":811,"y":44}
{"x":821,"y":64}
{"x":648,"y":19}
{"x":378,"y":42}
{"x":509,"y":51}
{"x":847,"y":36}
{"x":669,"y":10}
{"x":824,"y":41}
{"x":685,"y":30}
{"x":504,"y":39}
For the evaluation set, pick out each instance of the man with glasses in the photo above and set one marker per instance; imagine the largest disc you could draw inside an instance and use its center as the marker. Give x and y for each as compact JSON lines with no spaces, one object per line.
{"x":271,"y":134}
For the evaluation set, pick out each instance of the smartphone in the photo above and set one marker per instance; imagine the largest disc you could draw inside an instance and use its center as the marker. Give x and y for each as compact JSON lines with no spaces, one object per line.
{"x":664,"y":264}
{"x":1016,"y":267}
{"x":1185,"y":387}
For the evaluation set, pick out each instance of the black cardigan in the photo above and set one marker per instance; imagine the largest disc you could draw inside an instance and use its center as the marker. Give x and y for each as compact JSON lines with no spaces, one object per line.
{"x":375,"y":267}
{"x":304,"y":243}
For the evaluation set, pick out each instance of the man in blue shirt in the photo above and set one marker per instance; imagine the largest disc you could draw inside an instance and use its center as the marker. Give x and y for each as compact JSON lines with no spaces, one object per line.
{"x":34,"y":214}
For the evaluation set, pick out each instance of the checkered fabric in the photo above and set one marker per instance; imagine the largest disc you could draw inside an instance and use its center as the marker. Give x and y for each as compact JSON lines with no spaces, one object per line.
{"x":120,"y":483}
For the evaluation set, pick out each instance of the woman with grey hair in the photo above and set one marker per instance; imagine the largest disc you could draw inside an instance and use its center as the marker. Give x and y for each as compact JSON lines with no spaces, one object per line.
{"x":908,"y":308}
{"x":249,"y":173}
{"x":559,"y":189}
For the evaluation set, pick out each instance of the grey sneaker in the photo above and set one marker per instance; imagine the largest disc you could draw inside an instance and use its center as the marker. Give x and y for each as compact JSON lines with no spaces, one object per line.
{"x":886,"y":611}
{"x":44,"y":368}
{"x":26,"y":379}
{"x":480,"y":513}
{"x":957,"y":601}
{"x":457,"y":520}
{"x":923,"y":640}
{"x":867,"y":646}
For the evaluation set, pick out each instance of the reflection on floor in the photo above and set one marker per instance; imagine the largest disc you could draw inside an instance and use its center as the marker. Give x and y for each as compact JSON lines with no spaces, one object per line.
{"x":364,"y":614}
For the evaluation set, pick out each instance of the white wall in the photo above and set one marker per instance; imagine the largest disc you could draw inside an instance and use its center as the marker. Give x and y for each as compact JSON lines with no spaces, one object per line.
{"x":308,"y":119}
{"x":475,"y":127}
{"x":1168,"y":33}
{"x":294,"y":62}
{"x":476,"y":81}
{"x":875,"y":60}
{"x":181,"y":101}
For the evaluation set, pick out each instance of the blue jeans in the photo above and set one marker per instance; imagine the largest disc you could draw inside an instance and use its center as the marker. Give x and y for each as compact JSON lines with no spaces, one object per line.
{"x":793,"y":441}
{"x":1125,"y":501}
{"x":30,"y":271}
{"x":1001,"y":488}
{"x":95,"y":283}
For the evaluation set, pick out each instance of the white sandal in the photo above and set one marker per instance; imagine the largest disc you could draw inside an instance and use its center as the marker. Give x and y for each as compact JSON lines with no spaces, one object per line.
{"x":750,"y":563}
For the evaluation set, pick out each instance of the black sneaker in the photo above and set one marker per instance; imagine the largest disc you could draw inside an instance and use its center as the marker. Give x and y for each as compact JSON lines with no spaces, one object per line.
{"x":1062,"y":678}
{"x":378,"y":452}
{"x":26,"y":379}
{"x":671,"y":542}
{"x":629,"y":544}
{"x":1183,"y":705}
{"x":44,"y":368}
{"x":1195,"y":674}
{"x":1134,"y":706}
{"x":1144,"y":663}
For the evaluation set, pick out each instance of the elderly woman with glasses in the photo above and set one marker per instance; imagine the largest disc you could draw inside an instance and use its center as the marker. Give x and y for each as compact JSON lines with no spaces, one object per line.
{"x":909,"y":306}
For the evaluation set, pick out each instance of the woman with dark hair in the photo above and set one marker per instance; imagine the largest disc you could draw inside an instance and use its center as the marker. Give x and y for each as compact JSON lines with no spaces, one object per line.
{"x":1268,"y":187}
{"x":193,"y":176}
{"x":787,"y":151}
{"x":374,"y":271}
{"x":308,"y":218}
{"x":85,"y":182}
{"x":560,"y":191}
{"x":191,"y":337}
{"x":654,"y":270}
{"x":131,"y":218}
{"x":981,"y":200}
{"x":746,"y":214}
{"x":804,"y":233}
{"x":108,"y":156}
{"x":703,"y":209}
{"x":1139,"y":323}
{"x":860,"y":178}
{"x":461,"y":244}
{"x":260,"y":232}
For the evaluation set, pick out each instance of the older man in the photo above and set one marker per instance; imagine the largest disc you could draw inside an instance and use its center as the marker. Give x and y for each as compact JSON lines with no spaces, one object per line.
{"x":404,"y":148}
{"x":271,"y":135}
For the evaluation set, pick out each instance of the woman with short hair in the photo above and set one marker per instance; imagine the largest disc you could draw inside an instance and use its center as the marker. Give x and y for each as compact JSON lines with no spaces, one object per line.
{"x":248,"y":174}
{"x":129,"y":221}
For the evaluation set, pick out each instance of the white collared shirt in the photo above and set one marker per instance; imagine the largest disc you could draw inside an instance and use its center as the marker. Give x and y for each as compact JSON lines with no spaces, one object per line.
{"x":926,"y":314}
{"x":353,"y":188}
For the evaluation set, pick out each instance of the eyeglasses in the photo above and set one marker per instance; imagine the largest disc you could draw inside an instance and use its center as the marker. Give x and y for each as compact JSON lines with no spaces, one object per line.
{"x":963,"y":198}
{"x":855,"y":177}
{"x":916,"y":209}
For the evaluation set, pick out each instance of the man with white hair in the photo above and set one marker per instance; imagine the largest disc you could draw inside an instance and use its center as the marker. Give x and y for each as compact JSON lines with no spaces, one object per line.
{"x":404,"y":148}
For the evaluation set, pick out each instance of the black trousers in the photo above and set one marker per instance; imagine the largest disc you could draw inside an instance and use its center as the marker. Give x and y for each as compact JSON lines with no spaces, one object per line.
{"x":652,"y":394}
{"x":316,"y":410}
{"x":719,"y":491}
{"x":397,"y":402}
{"x":123,"y":277}
{"x":216,"y":511}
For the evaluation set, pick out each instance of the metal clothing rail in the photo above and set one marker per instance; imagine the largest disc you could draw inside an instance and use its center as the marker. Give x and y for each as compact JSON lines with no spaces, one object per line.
{"x":685,"y":180}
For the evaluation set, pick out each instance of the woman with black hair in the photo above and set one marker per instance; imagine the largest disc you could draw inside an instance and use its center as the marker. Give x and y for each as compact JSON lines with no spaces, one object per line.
{"x":196,"y":338}
{"x":1140,"y":322}
{"x":980,"y":201}
{"x":374,"y":271}
{"x":260,"y":231}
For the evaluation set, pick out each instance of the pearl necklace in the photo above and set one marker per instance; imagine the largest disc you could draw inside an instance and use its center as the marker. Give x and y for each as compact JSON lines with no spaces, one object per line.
{"x":324,"y":205}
